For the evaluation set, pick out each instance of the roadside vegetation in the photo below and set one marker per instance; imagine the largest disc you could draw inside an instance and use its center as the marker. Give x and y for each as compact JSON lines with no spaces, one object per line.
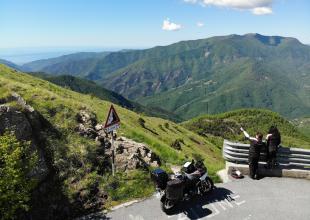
{"x":16,"y":160}
{"x":215,"y":128}
{"x":303,"y":125}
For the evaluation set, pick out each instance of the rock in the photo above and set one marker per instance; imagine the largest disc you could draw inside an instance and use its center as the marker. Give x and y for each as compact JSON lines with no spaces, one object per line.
{"x":119,"y":149}
{"x":88,"y":126}
{"x":133,"y":155}
{"x":15,"y":121}
{"x":155,"y":164}
{"x":21,"y":102}
{"x":87,"y":118}
{"x":121,"y":139}
{"x":144,"y":151}
{"x":99,"y":127}
{"x":102,"y":134}
{"x":86,"y":131}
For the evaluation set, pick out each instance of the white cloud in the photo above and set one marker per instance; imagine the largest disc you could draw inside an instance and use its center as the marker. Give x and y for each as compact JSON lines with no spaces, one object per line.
{"x":257,"y":7}
{"x":262,"y":11}
{"x":200,"y":24}
{"x":170,"y":26}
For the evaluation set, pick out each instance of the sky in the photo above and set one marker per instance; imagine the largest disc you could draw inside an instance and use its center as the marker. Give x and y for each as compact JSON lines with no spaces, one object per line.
{"x":119,"y":24}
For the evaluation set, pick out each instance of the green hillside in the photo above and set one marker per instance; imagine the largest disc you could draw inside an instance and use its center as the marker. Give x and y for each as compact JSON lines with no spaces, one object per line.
{"x":227,"y":125}
{"x":303,"y":124}
{"x":91,"y":88}
{"x":73,"y":64}
{"x":210,"y":75}
{"x":224,"y":73}
{"x":73,"y":158}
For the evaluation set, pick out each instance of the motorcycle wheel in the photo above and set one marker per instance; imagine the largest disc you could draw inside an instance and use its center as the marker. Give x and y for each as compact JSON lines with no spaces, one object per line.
{"x":206,"y":186}
{"x":166,"y":205}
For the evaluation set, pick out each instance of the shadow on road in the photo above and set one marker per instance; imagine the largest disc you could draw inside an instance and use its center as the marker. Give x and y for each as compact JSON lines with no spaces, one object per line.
{"x":94,"y":216}
{"x":195,"y":208}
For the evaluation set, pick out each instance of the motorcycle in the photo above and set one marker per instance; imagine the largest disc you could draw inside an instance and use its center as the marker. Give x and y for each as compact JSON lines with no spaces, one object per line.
{"x":193,"y":180}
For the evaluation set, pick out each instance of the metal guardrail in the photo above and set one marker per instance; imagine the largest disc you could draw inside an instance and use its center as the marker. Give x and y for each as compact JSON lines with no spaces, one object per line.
{"x":239,"y":153}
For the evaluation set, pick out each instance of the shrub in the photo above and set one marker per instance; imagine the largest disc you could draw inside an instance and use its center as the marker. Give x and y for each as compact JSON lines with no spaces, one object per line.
{"x":166,"y":125}
{"x":15,"y":163}
{"x":177,"y":144}
{"x":141,"y":122}
{"x":162,"y":128}
{"x":197,"y":157}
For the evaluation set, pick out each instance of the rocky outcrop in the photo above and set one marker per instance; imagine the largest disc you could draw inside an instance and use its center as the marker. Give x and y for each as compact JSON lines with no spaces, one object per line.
{"x":15,"y":121}
{"x":87,"y":122}
{"x":129,"y":154}
{"x":23,"y":122}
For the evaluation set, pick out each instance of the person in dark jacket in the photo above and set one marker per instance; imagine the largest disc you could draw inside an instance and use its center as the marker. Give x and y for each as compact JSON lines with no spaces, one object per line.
{"x":254,"y":152}
{"x":273,"y":141}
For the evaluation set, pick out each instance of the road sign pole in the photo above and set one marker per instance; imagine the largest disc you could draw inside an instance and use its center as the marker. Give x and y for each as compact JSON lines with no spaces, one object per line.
{"x":113,"y":154}
{"x":112,"y":123}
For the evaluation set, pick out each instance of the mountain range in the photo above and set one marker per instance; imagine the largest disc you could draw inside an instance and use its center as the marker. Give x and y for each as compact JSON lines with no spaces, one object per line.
{"x":195,"y":77}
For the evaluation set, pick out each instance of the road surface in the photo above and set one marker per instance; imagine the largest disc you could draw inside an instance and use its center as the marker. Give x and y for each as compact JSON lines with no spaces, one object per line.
{"x":245,"y":199}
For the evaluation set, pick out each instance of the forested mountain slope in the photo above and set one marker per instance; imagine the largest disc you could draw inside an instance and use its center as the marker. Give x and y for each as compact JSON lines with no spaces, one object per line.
{"x":210,"y":75}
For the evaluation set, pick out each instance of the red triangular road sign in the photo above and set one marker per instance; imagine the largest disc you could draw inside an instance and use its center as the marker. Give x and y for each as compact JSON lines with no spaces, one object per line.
{"x":112,"y":118}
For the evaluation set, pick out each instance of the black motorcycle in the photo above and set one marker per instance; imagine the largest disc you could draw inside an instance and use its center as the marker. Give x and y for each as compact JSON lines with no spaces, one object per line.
{"x":193,"y":180}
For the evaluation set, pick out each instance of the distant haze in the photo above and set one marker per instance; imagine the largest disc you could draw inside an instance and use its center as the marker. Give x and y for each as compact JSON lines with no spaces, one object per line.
{"x":24,"y":55}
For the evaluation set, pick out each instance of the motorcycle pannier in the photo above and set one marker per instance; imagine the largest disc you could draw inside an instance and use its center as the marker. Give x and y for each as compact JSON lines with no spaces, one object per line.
{"x":160,"y":178}
{"x":174,"y":190}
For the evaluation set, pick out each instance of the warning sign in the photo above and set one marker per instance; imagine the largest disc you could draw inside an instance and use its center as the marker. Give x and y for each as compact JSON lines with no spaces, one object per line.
{"x":112,"y":123}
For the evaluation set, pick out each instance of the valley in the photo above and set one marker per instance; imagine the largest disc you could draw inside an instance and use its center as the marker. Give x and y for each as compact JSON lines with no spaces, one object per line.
{"x":211,"y":75}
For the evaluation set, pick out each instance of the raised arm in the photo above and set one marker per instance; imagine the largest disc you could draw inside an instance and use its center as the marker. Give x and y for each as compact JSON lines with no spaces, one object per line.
{"x":246,"y":134}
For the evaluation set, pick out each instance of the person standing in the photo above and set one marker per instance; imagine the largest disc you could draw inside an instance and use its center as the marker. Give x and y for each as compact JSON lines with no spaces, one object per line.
{"x":254,"y":152}
{"x":273,"y":141}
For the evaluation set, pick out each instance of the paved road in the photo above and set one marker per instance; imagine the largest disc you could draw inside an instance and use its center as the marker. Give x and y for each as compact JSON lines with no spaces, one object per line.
{"x":246,"y":199}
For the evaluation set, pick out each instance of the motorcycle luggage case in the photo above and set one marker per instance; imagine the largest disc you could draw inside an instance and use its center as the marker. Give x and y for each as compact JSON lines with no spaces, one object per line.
{"x":160,"y":178}
{"x":174,"y":190}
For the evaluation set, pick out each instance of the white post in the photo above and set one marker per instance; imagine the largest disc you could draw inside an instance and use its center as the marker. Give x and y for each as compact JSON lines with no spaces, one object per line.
{"x":113,"y":154}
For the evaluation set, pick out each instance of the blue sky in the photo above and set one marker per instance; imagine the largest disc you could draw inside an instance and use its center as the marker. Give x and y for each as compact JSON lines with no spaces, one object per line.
{"x":139,"y":23}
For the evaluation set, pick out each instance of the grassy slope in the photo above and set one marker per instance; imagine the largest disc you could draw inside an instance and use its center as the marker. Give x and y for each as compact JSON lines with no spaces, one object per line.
{"x":227,"y":125}
{"x":85,"y":86}
{"x":47,"y":97}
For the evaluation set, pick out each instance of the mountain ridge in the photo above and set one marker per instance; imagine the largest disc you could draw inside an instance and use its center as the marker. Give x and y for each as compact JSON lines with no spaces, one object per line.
{"x":217,"y":70}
